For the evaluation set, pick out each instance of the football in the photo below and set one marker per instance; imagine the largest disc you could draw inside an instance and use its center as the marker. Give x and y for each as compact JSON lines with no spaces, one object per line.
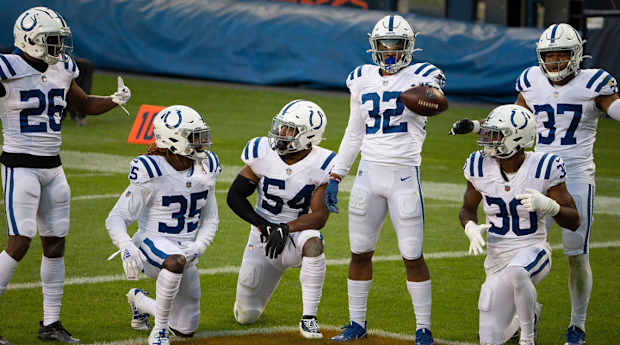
{"x":424,"y":100}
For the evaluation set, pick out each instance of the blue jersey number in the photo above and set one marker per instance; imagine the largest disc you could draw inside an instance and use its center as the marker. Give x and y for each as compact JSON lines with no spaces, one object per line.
{"x":179,"y":216}
{"x":562,"y":108}
{"x":509,"y":215}
{"x":49,"y":103}
{"x":301,"y":200}
{"x":382,"y":121}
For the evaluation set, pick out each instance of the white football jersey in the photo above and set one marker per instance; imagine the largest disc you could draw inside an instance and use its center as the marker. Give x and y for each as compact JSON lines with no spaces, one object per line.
{"x":32,"y":108}
{"x":387,"y":132}
{"x":567,"y":116}
{"x":512,"y":226}
{"x":284,"y":191}
{"x":166,"y":201}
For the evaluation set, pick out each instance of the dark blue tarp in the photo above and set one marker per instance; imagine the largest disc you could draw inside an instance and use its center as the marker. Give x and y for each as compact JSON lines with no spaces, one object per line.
{"x":277,"y":43}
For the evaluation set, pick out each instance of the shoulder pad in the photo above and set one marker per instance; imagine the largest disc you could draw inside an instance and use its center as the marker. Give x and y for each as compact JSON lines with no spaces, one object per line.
{"x":473,"y":165}
{"x":545,"y":168}
{"x":358,"y":73}
{"x":523,"y":82}
{"x":254,"y":149}
{"x":600,"y":82}
{"x":71,"y":66}
{"x":143,"y":168}
{"x":328,"y":161}
{"x":426,"y":70}
{"x":212,"y":163}
{"x":13,"y":67}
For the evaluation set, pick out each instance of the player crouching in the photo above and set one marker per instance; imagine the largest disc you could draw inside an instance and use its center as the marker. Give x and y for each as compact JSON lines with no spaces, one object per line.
{"x":172,"y":196}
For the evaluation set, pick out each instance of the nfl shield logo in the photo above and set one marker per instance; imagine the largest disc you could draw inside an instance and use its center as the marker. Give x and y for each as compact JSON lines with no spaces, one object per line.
{"x":188,"y":184}
{"x":507,"y":188}
{"x":289,"y":171}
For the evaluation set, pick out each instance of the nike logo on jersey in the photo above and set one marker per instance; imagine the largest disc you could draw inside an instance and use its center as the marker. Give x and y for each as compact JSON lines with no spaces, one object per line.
{"x":403,"y":179}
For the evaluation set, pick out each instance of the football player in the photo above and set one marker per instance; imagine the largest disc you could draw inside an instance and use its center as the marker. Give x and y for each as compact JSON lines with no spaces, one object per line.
{"x":171,"y":194}
{"x":567,"y":103}
{"x":519,"y":190}
{"x":289,"y":172}
{"x":36,"y":83}
{"x":388,"y":178}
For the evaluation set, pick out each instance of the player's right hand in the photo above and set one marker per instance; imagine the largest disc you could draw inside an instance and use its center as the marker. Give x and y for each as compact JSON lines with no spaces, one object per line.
{"x":277,"y":240}
{"x":474,"y":233}
{"x":465,"y":126}
{"x":331,"y":196}
{"x":122,"y":94}
{"x":133,"y":260}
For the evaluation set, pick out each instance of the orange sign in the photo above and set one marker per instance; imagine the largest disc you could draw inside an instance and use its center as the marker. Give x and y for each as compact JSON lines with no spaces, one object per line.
{"x":142,"y":130}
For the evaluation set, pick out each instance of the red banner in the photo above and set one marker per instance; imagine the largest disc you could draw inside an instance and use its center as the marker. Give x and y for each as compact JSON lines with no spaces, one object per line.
{"x":142,"y":130}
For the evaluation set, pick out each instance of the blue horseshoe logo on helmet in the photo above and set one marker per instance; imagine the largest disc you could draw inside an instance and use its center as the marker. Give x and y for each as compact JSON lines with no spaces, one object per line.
{"x":320,"y":117}
{"x":34,"y":22}
{"x":512,"y":119}
{"x":165,"y":118}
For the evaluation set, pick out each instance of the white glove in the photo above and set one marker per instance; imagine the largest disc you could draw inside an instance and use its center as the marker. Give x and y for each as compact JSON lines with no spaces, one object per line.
{"x":192,"y":251}
{"x":133,"y":260}
{"x":474,"y":233}
{"x":122,"y":94}
{"x":534,"y":200}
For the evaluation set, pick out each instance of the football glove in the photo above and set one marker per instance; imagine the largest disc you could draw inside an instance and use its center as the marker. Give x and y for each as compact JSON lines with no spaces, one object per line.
{"x":331,"y":196}
{"x":535,"y":201}
{"x":465,"y":126}
{"x":474,"y":233}
{"x":133,"y":260}
{"x":277,"y":240}
{"x":122,"y":94}
{"x":192,"y":251}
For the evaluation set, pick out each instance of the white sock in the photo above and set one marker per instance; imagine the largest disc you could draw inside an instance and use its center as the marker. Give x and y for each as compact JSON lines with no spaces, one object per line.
{"x":580,"y":288}
{"x":311,"y":277}
{"x":7,"y":268}
{"x":167,"y":287}
{"x":422,"y":299}
{"x":145,"y":304}
{"x":525,"y":300}
{"x":358,"y":296}
{"x":53,"y":282}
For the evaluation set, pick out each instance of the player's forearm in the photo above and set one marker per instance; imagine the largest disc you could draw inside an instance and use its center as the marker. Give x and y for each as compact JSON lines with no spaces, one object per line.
{"x":94,"y":105}
{"x":209,"y":221}
{"x":117,"y":229}
{"x":465,"y":215}
{"x":567,"y":218}
{"x":237,"y":200}
{"x":310,"y":221}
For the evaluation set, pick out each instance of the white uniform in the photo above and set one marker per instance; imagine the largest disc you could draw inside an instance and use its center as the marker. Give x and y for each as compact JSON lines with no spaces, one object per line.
{"x":517,"y":237}
{"x":36,"y":191}
{"x":284,"y":193}
{"x":390,"y":137}
{"x":566,"y":122}
{"x":172,"y":208}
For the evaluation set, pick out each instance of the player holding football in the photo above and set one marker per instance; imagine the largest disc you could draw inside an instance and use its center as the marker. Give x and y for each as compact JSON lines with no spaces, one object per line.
{"x":171,"y":194}
{"x":567,"y":103}
{"x":388,"y":178}
{"x":289,"y":172}
{"x":519,"y":190}
{"x":36,"y":83}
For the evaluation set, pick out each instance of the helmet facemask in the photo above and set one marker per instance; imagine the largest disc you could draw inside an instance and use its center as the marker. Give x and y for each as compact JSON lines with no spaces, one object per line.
{"x":559,"y":73}
{"x":58,"y":46}
{"x":391,"y":53}
{"x":492,"y":143}
{"x":285,"y":137}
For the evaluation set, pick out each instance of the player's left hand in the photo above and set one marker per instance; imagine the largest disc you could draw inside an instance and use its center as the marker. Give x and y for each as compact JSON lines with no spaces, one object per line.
{"x":474,"y":232}
{"x":192,"y":251}
{"x":535,"y":201}
{"x":277,"y":240}
{"x":122,"y":94}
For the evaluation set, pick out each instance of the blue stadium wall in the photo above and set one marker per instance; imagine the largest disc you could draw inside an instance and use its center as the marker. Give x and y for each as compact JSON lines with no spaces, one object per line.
{"x":271,"y":43}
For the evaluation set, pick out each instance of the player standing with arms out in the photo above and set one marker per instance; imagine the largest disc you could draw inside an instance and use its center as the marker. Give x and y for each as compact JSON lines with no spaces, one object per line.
{"x":567,"y":103}
{"x":172,"y":196}
{"x":289,"y":171}
{"x":36,"y":83}
{"x":388,"y":178}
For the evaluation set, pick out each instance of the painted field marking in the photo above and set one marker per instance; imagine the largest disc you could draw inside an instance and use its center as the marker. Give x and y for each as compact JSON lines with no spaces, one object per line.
{"x":235,"y":269}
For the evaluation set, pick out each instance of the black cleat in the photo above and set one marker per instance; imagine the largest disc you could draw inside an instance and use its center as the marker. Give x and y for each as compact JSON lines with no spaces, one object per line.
{"x":55,"y":332}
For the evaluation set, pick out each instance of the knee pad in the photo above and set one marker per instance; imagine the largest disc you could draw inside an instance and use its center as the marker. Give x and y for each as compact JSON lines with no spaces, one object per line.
{"x":409,"y":206}
{"x":518,"y":276}
{"x":249,"y":275}
{"x":246,"y":316}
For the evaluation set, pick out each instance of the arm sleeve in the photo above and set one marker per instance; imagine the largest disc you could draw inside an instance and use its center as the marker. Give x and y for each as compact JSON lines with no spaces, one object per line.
{"x":126,"y":211}
{"x":237,"y":200}
{"x":351,"y":141}
{"x":209,"y":220}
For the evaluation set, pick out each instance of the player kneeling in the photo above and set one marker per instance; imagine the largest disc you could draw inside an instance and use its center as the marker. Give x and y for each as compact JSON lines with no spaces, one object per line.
{"x":519,"y":189}
{"x":172,"y":196}
{"x":291,"y":173}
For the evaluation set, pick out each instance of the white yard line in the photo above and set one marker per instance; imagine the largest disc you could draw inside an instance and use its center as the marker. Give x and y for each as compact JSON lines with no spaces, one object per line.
{"x":235,"y":269}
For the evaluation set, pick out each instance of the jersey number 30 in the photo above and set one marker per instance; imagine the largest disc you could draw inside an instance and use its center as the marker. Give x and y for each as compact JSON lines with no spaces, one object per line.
{"x":511,"y":218}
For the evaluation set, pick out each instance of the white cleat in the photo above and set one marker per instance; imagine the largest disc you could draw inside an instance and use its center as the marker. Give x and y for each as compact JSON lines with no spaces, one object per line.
{"x":159,"y":337}
{"x":309,"y":328}
{"x":139,"y":321}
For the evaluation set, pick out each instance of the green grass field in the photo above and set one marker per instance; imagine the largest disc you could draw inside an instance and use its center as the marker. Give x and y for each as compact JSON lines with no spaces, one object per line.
{"x":97,"y":312}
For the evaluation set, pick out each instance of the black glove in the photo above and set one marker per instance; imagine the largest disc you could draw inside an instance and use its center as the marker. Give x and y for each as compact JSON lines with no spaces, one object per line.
{"x":463,"y":126}
{"x":276,"y":242}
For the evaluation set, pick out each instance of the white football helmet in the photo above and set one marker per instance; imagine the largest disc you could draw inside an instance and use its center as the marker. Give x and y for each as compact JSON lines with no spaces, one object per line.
{"x":43,"y":34}
{"x":560,"y":37}
{"x":182,"y":130}
{"x":392,"y":43}
{"x":508,"y":129}
{"x":299,"y":125}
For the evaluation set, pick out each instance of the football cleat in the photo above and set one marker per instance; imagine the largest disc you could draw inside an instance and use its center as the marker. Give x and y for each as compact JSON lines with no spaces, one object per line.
{"x":159,"y":337}
{"x":4,"y":341}
{"x":139,"y":321}
{"x":527,"y":342}
{"x":423,"y":336}
{"x":309,"y":327}
{"x":55,"y":332}
{"x":352,"y":331}
{"x":575,"y":336}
